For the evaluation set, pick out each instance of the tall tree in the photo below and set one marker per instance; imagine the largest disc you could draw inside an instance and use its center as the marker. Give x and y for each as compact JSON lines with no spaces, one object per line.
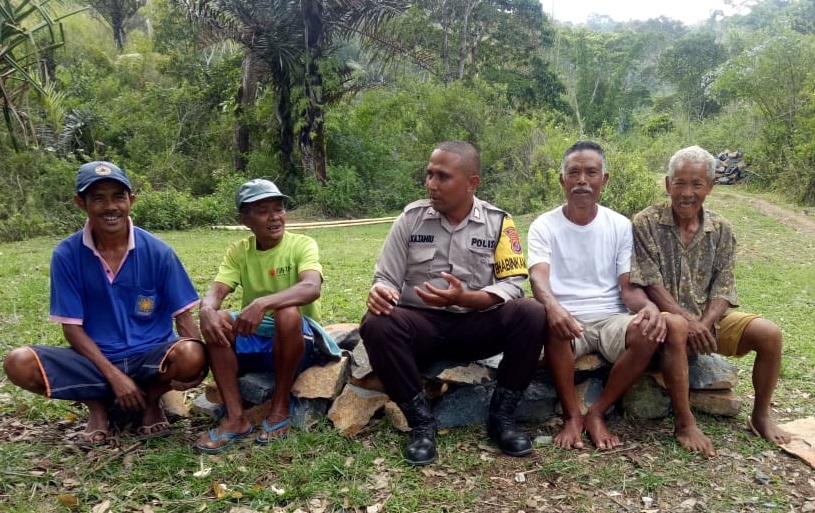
{"x":604,"y":78}
{"x":687,"y":65}
{"x":292,"y":38}
{"x":502,"y":41}
{"x":117,"y":13}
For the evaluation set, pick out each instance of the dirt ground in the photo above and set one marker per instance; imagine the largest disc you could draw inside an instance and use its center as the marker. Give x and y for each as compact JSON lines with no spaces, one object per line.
{"x":802,"y":221}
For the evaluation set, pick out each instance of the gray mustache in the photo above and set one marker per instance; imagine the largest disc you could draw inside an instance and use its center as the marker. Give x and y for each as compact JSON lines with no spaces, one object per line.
{"x":580,"y":188}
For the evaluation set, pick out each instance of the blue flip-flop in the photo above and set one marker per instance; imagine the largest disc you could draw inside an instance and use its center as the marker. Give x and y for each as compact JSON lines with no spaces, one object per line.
{"x":230,"y":438}
{"x":267,"y":428}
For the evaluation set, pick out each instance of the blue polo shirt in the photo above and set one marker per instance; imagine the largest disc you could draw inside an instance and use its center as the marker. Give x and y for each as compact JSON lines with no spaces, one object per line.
{"x":128,"y":312}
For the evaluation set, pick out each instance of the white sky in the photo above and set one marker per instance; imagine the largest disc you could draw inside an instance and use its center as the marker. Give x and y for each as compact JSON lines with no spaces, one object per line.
{"x":686,"y":11}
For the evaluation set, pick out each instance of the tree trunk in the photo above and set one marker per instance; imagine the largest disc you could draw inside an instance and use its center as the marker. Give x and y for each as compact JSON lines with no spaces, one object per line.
{"x":312,"y":134}
{"x":285,"y":120}
{"x":247,"y":94}
{"x":117,"y":23}
{"x":464,"y":38}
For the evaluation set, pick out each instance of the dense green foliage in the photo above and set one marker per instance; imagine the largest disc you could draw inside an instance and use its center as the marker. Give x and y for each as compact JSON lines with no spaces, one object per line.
{"x":341,"y":102}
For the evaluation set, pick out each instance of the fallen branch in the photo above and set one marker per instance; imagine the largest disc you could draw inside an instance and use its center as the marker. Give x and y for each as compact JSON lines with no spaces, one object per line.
{"x":317,"y":224}
{"x":104,"y":461}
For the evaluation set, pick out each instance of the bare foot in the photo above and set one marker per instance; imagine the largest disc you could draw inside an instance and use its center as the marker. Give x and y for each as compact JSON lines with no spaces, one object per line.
{"x":602,"y":438}
{"x":692,"y":439}
{"x":571,"y":434}
{"x":764,"y":427}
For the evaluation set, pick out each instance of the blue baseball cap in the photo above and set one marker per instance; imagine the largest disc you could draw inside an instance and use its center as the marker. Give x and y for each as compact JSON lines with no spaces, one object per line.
{"x":92,"y":172}
{"x":256,"y":190}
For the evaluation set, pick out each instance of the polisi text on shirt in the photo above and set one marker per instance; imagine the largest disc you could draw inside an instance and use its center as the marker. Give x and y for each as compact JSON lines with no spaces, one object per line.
{"x":482,"y":243}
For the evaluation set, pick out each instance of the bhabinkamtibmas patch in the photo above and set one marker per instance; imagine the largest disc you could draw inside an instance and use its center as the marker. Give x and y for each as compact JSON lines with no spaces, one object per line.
{"x":509,"y":255}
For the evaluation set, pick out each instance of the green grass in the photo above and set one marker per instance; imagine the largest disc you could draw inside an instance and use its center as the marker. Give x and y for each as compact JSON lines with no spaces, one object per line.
{"x":317,"y":470}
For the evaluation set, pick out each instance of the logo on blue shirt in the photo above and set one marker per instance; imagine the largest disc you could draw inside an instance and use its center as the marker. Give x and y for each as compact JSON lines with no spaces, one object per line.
{"x":145,"y":305}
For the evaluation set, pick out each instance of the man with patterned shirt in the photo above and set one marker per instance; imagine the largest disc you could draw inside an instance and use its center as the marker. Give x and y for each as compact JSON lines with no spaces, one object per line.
{"x":685,"y":259}
{"x":277,"y":328}
{"x":448,"y":284}
{"x":116,"y":289}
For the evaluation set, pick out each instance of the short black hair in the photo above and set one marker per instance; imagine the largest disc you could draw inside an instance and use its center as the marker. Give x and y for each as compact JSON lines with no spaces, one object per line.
{"x":466,"y":151}
{"x":580,"y":146}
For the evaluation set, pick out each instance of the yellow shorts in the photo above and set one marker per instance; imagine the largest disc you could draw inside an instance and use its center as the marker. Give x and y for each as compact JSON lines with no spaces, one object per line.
{"x":729,"y":331}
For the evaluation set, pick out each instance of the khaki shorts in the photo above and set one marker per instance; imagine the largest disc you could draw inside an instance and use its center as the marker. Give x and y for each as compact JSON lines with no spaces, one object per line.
{"x":729,"y":331}
{"x":605,"y":336}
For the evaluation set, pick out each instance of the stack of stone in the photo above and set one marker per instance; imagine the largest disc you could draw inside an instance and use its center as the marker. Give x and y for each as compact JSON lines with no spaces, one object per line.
{"x":349,"y":394}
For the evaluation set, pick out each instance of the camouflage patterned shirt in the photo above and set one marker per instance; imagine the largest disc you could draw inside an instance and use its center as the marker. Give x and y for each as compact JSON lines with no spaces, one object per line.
{"x":693,"y":274}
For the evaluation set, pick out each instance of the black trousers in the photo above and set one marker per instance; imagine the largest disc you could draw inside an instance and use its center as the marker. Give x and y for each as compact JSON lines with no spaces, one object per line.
{"x":400,"y":344}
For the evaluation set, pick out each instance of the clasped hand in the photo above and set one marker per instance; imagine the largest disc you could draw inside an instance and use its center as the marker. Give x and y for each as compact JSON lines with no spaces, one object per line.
{"x":218,"y":327}
{"x":700,"y":339}
{"x":652,"y":322}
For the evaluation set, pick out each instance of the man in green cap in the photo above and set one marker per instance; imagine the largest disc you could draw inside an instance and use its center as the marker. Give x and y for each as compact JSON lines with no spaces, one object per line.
{"x":276,"y":328}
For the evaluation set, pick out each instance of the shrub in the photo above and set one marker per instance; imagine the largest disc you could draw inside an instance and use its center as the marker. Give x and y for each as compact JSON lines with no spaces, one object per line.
{"x":631,"y":186}
{"x":657,"y":125}
{"x":37,"y":190}
{"x":342,"y":195}
{"x":163,"y":210}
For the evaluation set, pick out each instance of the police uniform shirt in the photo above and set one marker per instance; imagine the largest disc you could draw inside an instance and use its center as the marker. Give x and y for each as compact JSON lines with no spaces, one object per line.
{"x":484,"y":252}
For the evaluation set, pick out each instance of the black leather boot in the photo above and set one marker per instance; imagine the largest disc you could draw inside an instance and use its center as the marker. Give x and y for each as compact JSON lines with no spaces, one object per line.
{"x":501,"y":422}
{"x":421,"y":446}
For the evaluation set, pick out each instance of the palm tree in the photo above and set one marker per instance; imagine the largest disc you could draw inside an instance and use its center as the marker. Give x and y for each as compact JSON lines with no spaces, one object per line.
{"x":28,"y":30}
{"x":116,"y":13}
{"x":291,"y":38}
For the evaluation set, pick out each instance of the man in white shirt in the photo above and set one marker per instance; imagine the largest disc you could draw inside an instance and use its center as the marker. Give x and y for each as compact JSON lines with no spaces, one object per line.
{"x":579,"y":262}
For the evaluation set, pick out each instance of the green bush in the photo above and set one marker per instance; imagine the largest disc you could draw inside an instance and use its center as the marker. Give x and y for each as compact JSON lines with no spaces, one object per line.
{"x":218,"y":207}
{"x":631,"y":186}
{"x":343,"y":195}
{"x":657,"y":125}
{"x":37,"y":190}
{"x":163,"y":210}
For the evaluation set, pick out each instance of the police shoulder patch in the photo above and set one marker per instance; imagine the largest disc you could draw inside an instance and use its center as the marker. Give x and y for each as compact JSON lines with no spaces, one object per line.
{"x":509,"y":259}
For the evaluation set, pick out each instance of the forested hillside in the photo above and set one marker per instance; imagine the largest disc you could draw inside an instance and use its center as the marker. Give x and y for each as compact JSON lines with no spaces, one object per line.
{"x":341,"y":101}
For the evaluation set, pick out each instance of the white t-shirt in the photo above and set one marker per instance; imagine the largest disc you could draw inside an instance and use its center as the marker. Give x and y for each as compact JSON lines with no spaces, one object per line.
{"x":585,"y":262}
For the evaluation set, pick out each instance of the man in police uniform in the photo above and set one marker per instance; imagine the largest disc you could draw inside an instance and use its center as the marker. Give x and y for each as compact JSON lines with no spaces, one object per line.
{"x":448,"y":285}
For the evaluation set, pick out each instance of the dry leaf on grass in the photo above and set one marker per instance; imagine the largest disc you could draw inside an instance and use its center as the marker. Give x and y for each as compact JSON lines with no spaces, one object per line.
{"x":68,"y":500}
{"x":103,"y":507}
{"x":219,"y":489}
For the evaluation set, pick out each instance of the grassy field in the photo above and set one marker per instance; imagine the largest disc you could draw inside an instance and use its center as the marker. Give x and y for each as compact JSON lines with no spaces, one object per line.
{"x":319,"y":471}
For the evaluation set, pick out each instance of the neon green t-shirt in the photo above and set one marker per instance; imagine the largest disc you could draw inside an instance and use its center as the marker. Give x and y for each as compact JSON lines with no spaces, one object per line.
{"x":261,"y":273}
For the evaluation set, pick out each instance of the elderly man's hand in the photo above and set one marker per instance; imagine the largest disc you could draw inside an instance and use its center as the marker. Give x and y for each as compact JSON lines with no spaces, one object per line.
{"x":652,"y":322}
{"x":700,"y":339}
{"x":562,"y":324}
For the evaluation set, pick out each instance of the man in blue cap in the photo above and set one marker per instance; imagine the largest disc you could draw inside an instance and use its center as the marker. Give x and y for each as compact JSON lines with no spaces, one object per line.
{"x":116,"y":290}
{"x":276,"y":329}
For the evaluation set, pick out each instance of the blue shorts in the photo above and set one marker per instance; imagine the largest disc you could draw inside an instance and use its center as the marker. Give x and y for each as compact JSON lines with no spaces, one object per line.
{"x":255,"y":353}
{"x":69,"y":375}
